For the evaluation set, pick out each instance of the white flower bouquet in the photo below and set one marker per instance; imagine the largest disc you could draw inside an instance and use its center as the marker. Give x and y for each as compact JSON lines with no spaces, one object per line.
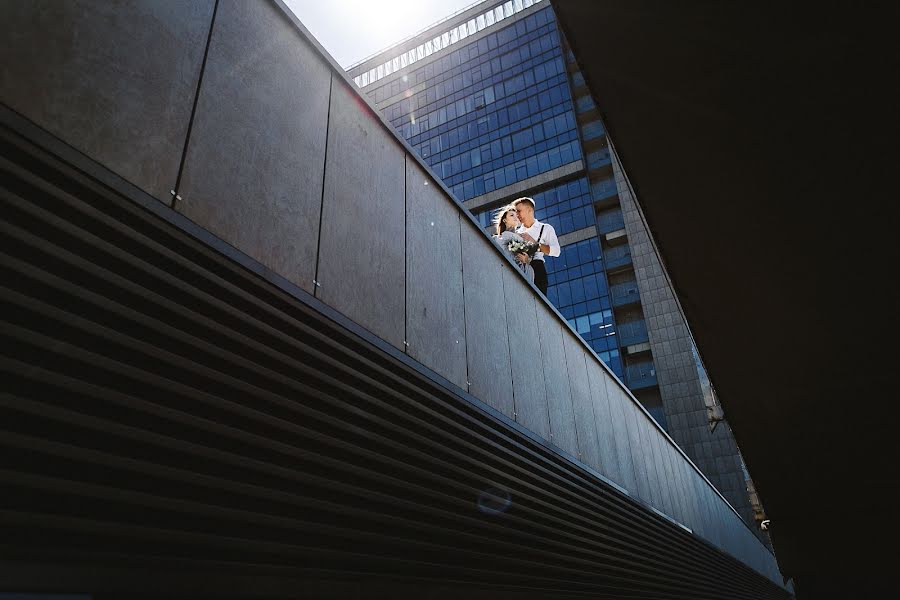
{"x":518,"y":245}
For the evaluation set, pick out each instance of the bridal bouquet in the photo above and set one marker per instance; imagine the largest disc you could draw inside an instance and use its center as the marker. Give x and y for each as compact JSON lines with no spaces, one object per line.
{"x":517,"y":245}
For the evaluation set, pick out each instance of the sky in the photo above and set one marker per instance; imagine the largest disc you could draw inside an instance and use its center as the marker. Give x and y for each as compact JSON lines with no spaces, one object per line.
{"x":351,"y":30}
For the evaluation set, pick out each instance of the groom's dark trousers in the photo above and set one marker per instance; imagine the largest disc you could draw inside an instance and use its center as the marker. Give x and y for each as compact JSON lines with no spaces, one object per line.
{"x":540,"y":275}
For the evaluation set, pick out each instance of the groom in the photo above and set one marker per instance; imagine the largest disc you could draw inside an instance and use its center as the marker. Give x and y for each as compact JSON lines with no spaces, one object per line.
{"x":533,"y":230}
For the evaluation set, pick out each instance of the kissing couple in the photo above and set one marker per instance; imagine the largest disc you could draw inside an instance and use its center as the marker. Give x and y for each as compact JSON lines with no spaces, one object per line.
{"x":526,"y":239}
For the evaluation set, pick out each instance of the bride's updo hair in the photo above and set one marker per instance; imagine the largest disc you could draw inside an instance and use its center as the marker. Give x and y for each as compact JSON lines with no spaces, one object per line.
{"x":500,"y":218}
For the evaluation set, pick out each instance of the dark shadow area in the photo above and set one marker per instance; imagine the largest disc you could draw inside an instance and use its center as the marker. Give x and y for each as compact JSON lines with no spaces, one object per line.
{"x":756,"y":137}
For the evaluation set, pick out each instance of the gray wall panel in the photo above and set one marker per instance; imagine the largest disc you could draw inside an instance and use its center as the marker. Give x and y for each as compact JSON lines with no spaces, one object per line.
{"x":487,"y":330}
{"x":701,"y":495}
{"x":609,"y":459}
{"x":713,"y":505}
{"x":658,"y":472}
{"x":692,"y":503}
{"x":753,"y":558}
{"x":645,"y":425}
{"x":527,"y":359}
{"x":735,"y":535}
{"x":582,"y":403}
{"x":718,"y":518}
{"x":678,"y":481}
{"x":727,"y":527}
{"x":695,"y":500}
{"x":116,"y":80}
{"x":253,"y":172}
{"x":661,"y":471}
{"x":556,"y":378}
{"x":739,"y":532}
{"x":702,"y":525}
{"x":713,"y":531}
{"x":435,"y":314}
{"x":679,"y":501}
{"x":617,"y":407}
{"x":690,"y":507}
{"x":637,"y":452}
{"x":361,"y":255}
{"x":683,"y":509}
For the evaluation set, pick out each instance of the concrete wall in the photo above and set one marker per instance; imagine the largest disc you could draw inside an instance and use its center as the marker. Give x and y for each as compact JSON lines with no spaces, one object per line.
{"x":288,"y":163}
{"x":113,"y":80}
{"x":254,"y":177}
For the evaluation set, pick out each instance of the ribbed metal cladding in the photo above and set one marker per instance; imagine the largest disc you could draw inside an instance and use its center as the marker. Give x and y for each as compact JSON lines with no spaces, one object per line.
{"x":165,"y":408}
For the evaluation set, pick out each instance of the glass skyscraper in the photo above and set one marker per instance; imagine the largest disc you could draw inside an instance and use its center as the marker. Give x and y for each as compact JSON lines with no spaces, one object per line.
{"x":493,"y":100}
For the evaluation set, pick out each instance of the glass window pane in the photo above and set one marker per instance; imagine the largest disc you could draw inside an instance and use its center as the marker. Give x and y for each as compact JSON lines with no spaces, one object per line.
{"x":582,"y":325}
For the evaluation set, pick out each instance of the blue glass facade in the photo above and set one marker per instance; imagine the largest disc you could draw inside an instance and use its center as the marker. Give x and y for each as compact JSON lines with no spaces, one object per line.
{"x":496,"y":111}
{"x":492,"y":112}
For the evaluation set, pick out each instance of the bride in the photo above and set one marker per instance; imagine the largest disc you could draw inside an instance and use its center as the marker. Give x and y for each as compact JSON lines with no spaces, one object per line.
{"x":506,"y":219}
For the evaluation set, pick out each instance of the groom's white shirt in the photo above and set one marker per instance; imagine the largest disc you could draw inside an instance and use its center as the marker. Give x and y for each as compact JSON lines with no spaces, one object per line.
{"x":548,"y":237}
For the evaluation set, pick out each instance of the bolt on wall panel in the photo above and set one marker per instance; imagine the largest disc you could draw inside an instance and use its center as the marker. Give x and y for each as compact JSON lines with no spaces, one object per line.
{"x":115,"y":80}
{"x":435,"y":308}
{"x":254,"y":165}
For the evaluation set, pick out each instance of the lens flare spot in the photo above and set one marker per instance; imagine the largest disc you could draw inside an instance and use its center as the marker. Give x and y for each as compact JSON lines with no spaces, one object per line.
{"x":494,"y":501}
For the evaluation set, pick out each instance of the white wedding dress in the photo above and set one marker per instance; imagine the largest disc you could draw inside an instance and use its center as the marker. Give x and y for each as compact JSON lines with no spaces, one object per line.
{"x":503,"y":240}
